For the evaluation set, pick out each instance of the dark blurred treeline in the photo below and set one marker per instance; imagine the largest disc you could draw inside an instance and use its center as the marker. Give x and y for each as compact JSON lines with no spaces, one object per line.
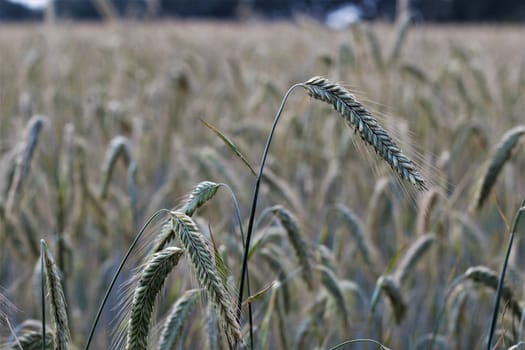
{"x":16,"y":12}
{"x":424,"y":10}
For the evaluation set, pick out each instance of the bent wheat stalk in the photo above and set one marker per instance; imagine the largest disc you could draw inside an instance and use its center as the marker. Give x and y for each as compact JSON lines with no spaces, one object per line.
{"x":357,"y":117}
{"x":400,"y":38}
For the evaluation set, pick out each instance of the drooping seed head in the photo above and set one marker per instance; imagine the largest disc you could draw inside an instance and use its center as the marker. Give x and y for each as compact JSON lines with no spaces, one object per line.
{"x":199,"y":195}
{"x":489,"y":278}
{"x":360,"y":119}
{"x":392,"y":289}
{"x":501,"y":155}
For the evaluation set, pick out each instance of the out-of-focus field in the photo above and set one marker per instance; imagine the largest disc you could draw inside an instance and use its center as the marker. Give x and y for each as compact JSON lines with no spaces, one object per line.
{"x":449,"y":94}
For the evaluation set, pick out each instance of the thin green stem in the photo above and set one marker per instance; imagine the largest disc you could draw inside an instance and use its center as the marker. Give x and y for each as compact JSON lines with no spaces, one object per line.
{"x":42,"y":293}
{"x":501,"y":280}
{"x":254,"y":200}
{"x":114,"y":280}
{"x":239,"y":222}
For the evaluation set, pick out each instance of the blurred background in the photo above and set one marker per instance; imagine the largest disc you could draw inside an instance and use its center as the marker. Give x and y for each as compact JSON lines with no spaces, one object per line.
{"x":335,"y":13}
{"x":133,"y":79}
